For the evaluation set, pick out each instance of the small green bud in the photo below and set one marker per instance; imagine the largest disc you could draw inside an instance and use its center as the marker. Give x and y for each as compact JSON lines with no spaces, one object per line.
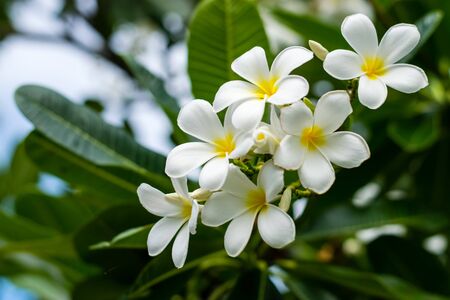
{"x":320,"y":51}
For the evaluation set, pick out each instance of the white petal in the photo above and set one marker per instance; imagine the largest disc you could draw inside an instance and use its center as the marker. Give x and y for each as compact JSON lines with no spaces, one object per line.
{"x":290,"y":153}
{"x":405,"y":78}
{"x":296,"y":117}
{"x":232,"y":92}
{"x":371,"y":92}
{"x":227,"y":122}
{"x":345,"y":149}
{"x":162,"y":233}
{"x":289,"y":89}
{"x":271,"y":179}
{"x":238,"y":233}
{"x":252,"y":65}
{"x":186,"y":157}
{"x":180,"y":186}
{"x":198,"y":119}
{"x":248,"y":114}
{"x":290,"y":59}
{"x":155,"y":201}
{"x":331,"y":110}
{"x":275,"y":123}
{"x":221,"y":208}
{"x":214,"y":173}
{"x":180,"y":247}
{"x":316,"y":172}
{"x":237,"y":183}
{"x":244,"y":142}
{"x":359,"y":31}
{"x":276,"y":227}
{"x":343,"y":64}
{"x":194,"y":217}
{"x":398,"y":42}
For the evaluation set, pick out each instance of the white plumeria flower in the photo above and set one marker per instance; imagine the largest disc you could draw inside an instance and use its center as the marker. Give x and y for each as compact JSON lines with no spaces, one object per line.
{"x":374,"y":64}
{"x":242,"y":202}
{"x":218,"y":144}
{"x":275,"y":86}
{"x":178,"y":210}
{"x":312,"y":142}
{"x":267,"y":137}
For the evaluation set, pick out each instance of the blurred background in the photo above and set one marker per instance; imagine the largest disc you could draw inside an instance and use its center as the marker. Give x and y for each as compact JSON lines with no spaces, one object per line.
{"x":80,"y":49}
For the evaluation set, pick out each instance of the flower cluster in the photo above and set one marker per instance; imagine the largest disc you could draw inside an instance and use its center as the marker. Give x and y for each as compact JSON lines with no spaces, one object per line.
{"x":244,"y":159}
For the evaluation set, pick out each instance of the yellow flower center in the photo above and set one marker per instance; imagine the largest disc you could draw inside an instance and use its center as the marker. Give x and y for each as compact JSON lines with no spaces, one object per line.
{"x":225,"y":145}
{"x":373,"y":67}
{"x":266,"y":88}
{"x":312,"y":136}
{"x":255,"y":199}
{"x":186,"y":208}
{"x":260,"y":136}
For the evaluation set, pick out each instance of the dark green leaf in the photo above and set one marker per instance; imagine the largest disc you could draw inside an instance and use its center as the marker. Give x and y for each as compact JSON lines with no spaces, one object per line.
{"x":415,"y":133}
{"x":62,"y":214}
{"x":311,"y":28}
{"x":383,"y":286}
{"x":426,"y":25}
{"x":83,"y":132}
{"x":410,"y":261}
{"x":220,"y":31}
{"x":134,"y":238}
{"x":345,"y":219}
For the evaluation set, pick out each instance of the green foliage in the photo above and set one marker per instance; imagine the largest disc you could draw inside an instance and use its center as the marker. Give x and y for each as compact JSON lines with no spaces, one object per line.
{"x":220,"y":31}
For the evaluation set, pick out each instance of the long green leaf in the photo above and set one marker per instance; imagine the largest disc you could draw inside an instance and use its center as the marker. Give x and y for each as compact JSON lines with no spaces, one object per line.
{"x":345,"y":219}
{"x":220,"y":31}
{"x":83,"y":132}
{"x":134,"y":238}
{"x":383,"y":286}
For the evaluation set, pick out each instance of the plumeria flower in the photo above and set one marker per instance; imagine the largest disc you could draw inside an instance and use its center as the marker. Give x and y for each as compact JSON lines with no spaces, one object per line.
{"x":312,"y":142}
{"x":275,"y":86}
{"x":218,"y":144}
{"x":267,"y":137}
{"x":374,"y":64}
{"x":178,"y":210}
{"x":242,"y":202}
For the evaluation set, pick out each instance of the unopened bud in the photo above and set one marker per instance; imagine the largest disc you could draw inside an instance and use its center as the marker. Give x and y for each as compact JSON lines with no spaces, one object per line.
{"x":201,"y":194}
{"x":285,"y":201}
{"x":320,"y":51}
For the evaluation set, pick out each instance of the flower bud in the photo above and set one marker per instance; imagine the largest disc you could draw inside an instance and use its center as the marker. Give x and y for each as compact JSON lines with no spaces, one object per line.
{"x":319,"y":50}
{"x":285,"y":201}
{"x":201,"y":194}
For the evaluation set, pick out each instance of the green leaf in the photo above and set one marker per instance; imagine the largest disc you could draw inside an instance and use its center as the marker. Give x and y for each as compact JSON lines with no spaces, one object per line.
{"x":426,"y":25}
{"x":220,"y":31}
{"x":383,"y":286}
{"x":62,"y":214}
{"x":311,"y":28}
{"x":155,"y":85}
{"x":22,"y":174}
{"x":134,"y":238}
{"x":116,"y":184}
{"x":83,"y":132}
{"x":15,"y":228}
{"x":345,"y":219}
{"x":99,"y":288}
{"x":415,"y":133}
{"x":407,"y":259}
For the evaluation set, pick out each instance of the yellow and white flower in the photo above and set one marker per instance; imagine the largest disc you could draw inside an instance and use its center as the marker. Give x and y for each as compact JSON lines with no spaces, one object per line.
{"x":312,"y":143}
{"x":178,"y":210}
{"x":267,"y":137}
{"x":374,"y":64}
{"x":242,"y":202}
{"x":275,"y":86}
{"x":218,"y":144}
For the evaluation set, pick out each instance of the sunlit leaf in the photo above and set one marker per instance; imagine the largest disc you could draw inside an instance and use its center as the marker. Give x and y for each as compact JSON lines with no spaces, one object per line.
{"x":219,"y":32}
